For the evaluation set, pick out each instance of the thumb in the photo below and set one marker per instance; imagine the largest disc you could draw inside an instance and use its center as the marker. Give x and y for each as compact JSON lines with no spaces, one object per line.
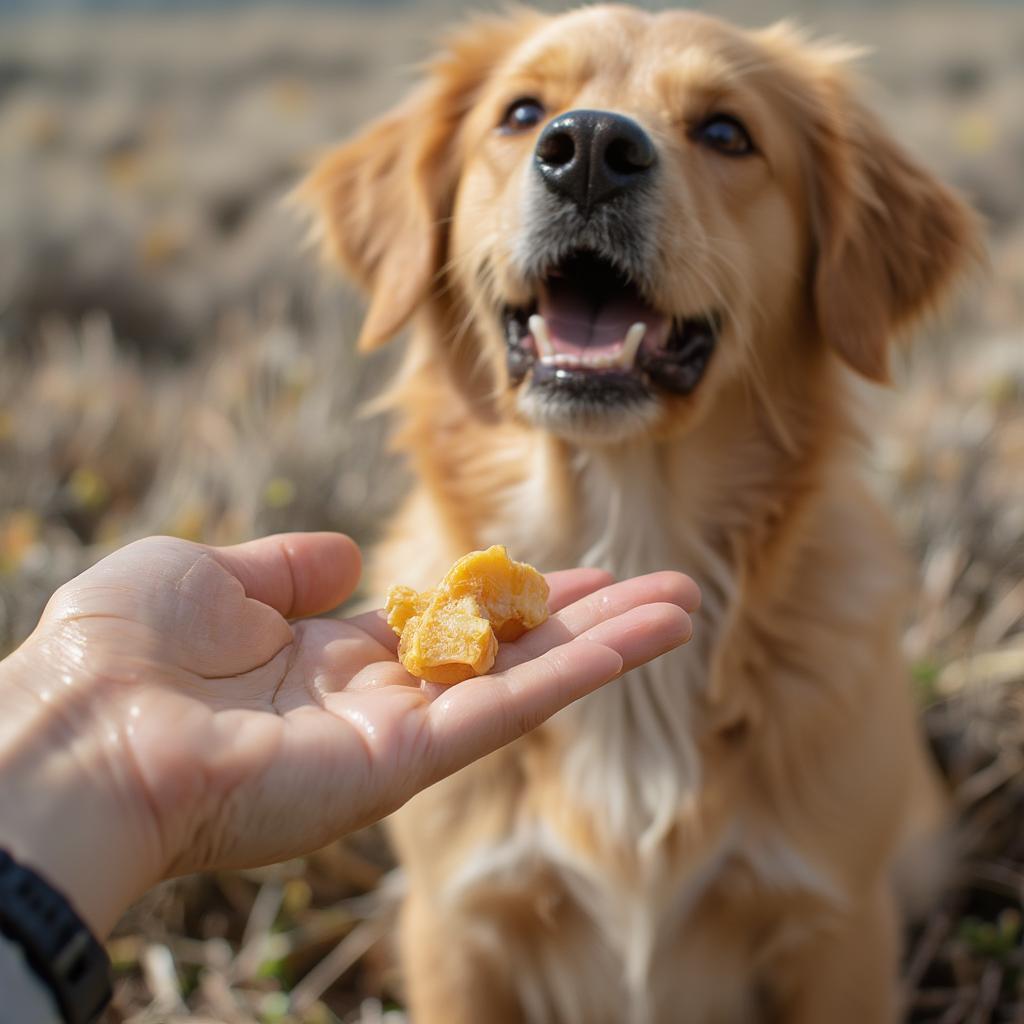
{"x":296,"y":574}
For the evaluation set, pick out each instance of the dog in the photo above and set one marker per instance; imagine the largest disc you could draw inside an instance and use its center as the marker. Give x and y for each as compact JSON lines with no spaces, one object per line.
{"x":649,"y":261}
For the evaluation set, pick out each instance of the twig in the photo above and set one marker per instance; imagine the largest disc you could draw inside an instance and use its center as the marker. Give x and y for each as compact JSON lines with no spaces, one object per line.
{"x":958,"y":1011}
{"x":1004,"y":769}
{"x":356,"y":944}
{"x":162,"y":980}
{"x":997,"y":877}
{"x":983,"y":668}
{"x":988,"y":994}
{"x":1002,"y":617}
{"x":257,"y":936}
{"x":218,"y":992}
{"x":924,"y":953}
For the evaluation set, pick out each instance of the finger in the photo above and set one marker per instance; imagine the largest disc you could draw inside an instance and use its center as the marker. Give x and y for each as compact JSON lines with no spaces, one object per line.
{"x":381,"y":675}
{"x":643,"y":633}
{"x":297,"y":574}
{"x":375,"y":623}
{"x":476,"y":717}
{"x":671,"y":587}
{"x":570,"y":585}
{"x":333,"y":655}
{"x":659,"y":587}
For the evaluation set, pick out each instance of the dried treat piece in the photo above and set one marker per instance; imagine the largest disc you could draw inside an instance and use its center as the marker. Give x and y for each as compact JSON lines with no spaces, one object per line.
{"x":452,"y":633}
{"x":512,"y":595}
{"x":402,"y":604}
{"x":448,"y":642}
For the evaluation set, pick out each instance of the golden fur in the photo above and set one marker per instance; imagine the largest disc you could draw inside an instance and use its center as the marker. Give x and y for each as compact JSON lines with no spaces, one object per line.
{"x":712,"y":839}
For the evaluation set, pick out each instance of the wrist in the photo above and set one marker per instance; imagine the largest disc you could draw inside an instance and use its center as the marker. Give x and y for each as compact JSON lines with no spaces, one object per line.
{"x":54,"y":943}
{"x":67,"y":808}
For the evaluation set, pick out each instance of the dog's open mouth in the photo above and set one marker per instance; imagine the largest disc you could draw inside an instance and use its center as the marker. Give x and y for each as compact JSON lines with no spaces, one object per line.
{"x":591,"y":330}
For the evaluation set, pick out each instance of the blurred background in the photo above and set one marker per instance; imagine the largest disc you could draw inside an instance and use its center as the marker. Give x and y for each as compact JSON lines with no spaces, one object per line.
{"x":173,"y":360}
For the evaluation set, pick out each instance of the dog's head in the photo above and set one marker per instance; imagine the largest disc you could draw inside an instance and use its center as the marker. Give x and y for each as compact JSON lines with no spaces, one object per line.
{"x":609,"y":215}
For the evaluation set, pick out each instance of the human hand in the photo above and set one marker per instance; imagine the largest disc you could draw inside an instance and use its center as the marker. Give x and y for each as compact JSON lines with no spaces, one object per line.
{"x":165,"y":716}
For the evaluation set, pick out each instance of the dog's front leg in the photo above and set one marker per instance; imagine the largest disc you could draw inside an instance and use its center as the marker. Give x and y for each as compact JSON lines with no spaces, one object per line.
{"x":844,"y":972}
{"x":451,"y":977}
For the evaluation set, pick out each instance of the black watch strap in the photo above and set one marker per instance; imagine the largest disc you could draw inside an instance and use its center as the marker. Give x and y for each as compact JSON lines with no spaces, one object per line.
{"x":56,"y":942}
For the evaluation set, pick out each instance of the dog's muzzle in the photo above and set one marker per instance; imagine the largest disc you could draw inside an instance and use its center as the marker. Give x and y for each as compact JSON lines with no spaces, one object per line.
{"x":589,"y":336}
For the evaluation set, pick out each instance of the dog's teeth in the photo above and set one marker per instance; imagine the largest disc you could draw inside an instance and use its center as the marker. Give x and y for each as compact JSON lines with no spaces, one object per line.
{"x":539,"y":330}
{"x":630,"y":347}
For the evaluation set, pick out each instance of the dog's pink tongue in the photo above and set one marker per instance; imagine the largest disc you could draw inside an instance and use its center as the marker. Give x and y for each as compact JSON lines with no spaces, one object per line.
{"x":575,"y":326}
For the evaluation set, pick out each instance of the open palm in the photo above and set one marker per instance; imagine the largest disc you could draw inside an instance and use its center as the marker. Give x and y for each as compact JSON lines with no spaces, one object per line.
{"x":254,"y":738}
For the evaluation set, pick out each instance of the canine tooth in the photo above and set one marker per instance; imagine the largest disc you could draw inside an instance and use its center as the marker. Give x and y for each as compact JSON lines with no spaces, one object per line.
{"x":539,"y":330}
{"x":630,"y":347}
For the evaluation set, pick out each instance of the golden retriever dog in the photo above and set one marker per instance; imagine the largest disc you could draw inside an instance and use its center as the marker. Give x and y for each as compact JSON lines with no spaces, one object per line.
{"x":648,"y":260}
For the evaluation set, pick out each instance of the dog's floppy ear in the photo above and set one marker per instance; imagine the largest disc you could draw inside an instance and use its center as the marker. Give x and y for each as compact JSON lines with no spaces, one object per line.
{"x":374,"y":200}
{"x":889,"y":238}
{"x":382,"y":199}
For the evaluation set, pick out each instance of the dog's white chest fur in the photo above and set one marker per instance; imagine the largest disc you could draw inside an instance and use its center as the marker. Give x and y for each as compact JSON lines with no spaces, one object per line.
{"x":632,"y":758}
{"x":631,"y":762}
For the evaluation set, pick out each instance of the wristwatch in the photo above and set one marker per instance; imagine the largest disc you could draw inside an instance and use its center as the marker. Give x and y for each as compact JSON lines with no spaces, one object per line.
{"x":55,"y":941}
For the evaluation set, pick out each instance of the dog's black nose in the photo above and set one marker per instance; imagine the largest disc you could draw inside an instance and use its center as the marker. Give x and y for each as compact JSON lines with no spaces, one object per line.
{"x":590,"y":156}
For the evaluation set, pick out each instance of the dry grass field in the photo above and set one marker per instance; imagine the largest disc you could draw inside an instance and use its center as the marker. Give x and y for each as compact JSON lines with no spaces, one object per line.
{"x":172,"y":360}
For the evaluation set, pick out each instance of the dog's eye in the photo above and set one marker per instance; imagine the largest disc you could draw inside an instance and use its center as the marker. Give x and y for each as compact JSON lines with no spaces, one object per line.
{"x":725,"y":134}
{"x":523,"y":114}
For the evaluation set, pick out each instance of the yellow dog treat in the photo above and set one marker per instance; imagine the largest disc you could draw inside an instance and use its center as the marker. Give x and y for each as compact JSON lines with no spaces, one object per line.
{"x":452,"y":633}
